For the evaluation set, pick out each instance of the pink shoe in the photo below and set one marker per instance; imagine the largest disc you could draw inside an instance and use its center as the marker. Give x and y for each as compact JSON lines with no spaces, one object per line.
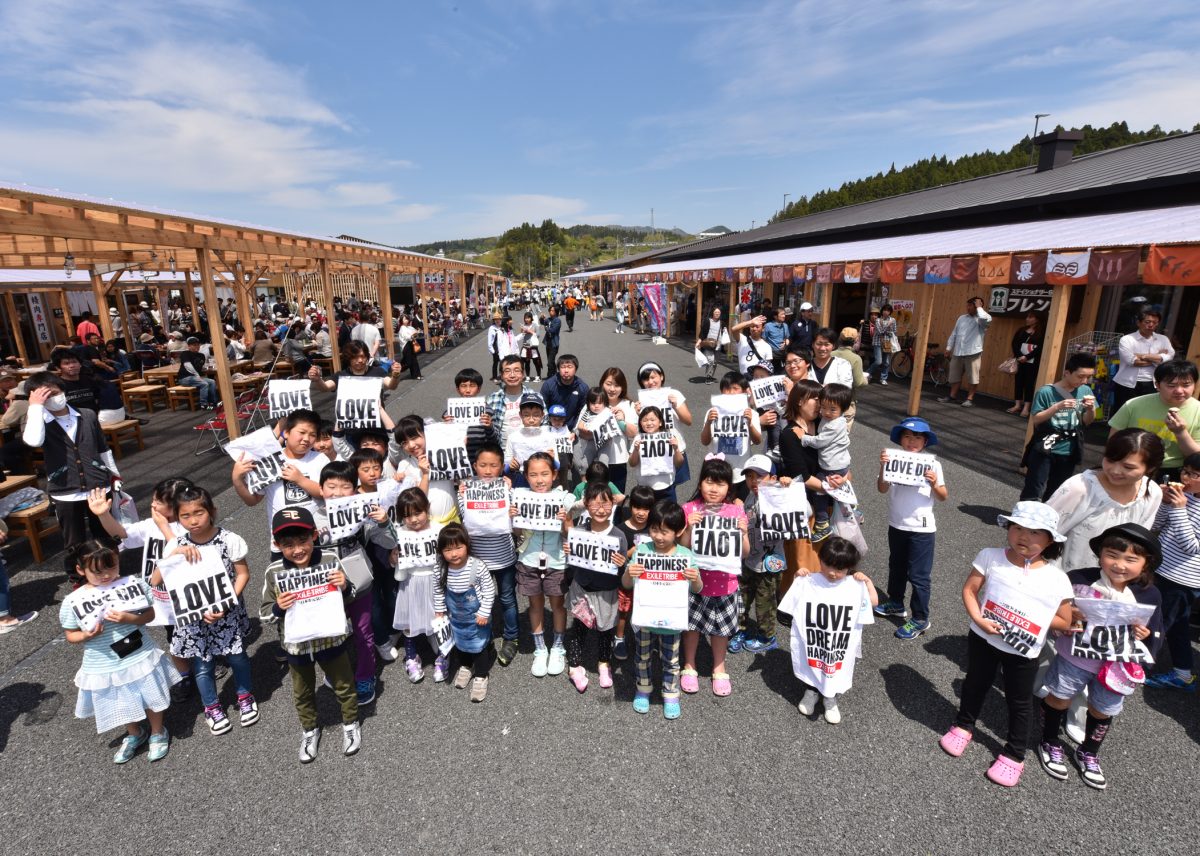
{"x":689,"y":681}
{"x":1005,"y":771}
{"x":606,"y":680}
{"x":721,"y":685}
{"x":579,"y":678}
{"x":955,"y":741}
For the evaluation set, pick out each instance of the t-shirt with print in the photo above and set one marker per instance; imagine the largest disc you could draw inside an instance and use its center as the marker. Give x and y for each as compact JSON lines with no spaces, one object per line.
{"x":1066,"y":421}
{"x":284,"y":494}
{"x":910,"y":506}
{"x":1022,"y":601}
{"x":147,"y":535}
{"x":590,"y":580}
{"x":1149,"y":413}
{"x":751,"y":352}
{"x":737,"y":450}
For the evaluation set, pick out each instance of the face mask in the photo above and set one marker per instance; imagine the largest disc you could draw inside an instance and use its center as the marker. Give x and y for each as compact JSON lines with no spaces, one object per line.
{"x":56,"y":402}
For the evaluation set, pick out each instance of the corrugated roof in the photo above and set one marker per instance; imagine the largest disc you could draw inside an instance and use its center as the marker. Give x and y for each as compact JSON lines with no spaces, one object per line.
{"x":1128,"y":166}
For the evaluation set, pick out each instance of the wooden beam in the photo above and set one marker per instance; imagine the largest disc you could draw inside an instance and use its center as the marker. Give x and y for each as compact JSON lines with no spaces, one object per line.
{"x":123,"y":311}
{"x":65,"y":305}
{"x":327,"y":291}
{"x":1051,"y":358}
{"x":224,"y":378}
{"x":11,"y":305}
{"x":385,"y":303}
{"x":699,"y":307}
{"x":731,"y":318}
{"x":190,"y":293}
{"x":104,"y":320}
{"x":1092,"y":295}
{"x":827,"y":304}
{"x":424,"y":306}
{"x":926,"y":297}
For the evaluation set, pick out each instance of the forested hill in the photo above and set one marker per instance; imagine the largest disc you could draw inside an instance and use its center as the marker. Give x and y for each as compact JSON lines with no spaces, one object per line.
{"x":936,"y":171}
{"x":616,"y":235}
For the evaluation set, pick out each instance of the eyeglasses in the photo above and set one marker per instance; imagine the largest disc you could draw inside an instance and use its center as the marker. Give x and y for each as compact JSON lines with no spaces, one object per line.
{"x":1189,"y":475}
{"x":793,"y":363}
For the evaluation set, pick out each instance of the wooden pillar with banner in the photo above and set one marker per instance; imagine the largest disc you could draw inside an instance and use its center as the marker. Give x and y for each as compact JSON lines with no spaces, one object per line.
{"x":103,"y":319}
{"x":224,"y":379}
{"x":699,"y":307}
{"x":731,"y":318}
{"x":926,"y":297}
{"x":1051,"y":358}
{"x":327,"y":295}
{"x":10,"y":305}
{"x":385,"y":304}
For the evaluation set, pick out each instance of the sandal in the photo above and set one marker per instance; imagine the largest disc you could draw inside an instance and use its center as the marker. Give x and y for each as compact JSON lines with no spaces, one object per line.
{"x":1005,"y":771}
{"x":955,"y":741}
{"x":721,"y":685}
{"x":1012,"y":410}
{"x":689,"y":681}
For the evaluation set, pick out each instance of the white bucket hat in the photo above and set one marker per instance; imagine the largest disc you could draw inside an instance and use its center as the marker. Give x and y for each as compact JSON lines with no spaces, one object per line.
{"x":1034,"y":515}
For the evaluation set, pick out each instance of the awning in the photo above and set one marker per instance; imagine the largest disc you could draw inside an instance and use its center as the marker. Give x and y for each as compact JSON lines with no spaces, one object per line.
{"x":588,"y":274}
{"x":1127,"y":229}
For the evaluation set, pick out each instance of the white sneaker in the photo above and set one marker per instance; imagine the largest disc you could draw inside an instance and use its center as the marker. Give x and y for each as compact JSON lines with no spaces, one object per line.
{"x":387,"y":652}
{"x":541,"y":659}
{"x":832,"y":715}
{"x":308,"y":746}
{"x":883,"y":383}
{"x":558,"y":660}
{"x":351,"y":738}
{"x":808,"y":704}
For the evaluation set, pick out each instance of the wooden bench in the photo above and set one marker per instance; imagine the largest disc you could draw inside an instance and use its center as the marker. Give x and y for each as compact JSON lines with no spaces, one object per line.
{"x":117,"y":432}
{"x":33,"y":524}
{"x":189,"y":395}
{"x":146,"y":393}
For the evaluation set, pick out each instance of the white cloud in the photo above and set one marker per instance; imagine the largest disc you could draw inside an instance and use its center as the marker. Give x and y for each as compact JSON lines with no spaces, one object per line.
{"x":493,"y":215}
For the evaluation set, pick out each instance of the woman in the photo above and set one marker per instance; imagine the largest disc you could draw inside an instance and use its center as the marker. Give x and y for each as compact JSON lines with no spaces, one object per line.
{"x":262,"y":353}
{"x":886,"y":342}
{"x":356,"y":363}
{"x":320,"y":336}
{"x":529,"y":348}
{"x":118,"y":357}
{"x":868,"y":339}
{"x":799,"y":463}
{"x":1026,"y":348}
{"x":826,"y":368}
{"x":406,"y":336}
{"x":796,"y":364}
{"x":293,"y":352}
{"x":711,"y":340}
{"x":615,"y":453}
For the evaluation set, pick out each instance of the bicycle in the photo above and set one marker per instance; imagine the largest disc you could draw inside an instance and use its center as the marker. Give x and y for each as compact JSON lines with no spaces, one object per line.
{"x":937,"y":366}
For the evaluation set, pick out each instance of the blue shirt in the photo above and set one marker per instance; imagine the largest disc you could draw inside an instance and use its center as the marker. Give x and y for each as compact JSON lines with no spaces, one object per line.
{"x":570,"y":397}
{"x":775,"y":332}
{"x":553,"y":326}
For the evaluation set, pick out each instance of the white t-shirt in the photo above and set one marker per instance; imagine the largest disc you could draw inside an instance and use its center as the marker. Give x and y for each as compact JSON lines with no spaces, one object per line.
{"x":910,"y":507}
{"x":661,"y":481}
{"x":282,"y":494}
{"x":827,"y":641}
{"x":751,"y":352}
{"x":368,"y":334}
{"x":1023,"y":602}
{"x":745,"y":447}
{"x":616,"y":450}
{"x":145,"y":534}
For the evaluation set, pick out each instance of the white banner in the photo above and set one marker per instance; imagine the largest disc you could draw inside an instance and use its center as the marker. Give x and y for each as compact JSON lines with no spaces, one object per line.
{"x":660,"y":398}
{"x":256,"y":445}
{"x":124,"y":595}
{"x":592,"y":551}
{"x":526,"y":444}
{"x":357,"y":404}
{"x":1108,"y":633}
{"x":768,"y":391}
{"x":446,"y":446}
{"x":466,"y":411}
{"x":783,"y":512}
{"x":907,"y":467}
{"x":730,"y":429}
{"x":717,"y":543}
{"x":656,"y":455}
{"x":564,"y":444}
{"x":266,"y":470}
{"x":284,"y":396}
{"x":485,"y":507}
{"x":416,"y":549}
{"x":660,"y":594}
{"x":348,"y":514}
{"x":317,"y":612}
{"x":197,"y":588}
{"x":842,"y":493}
{"x":603,"y":426}
{"x":538,"y":511}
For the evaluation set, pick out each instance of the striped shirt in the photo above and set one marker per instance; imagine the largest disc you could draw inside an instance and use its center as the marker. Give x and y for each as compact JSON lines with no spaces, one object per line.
{"x":1179,"y":539}
{"x":472,"y":575}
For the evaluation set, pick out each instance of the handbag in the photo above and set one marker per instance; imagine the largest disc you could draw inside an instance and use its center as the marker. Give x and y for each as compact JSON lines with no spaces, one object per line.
{"x":1009,"y":366}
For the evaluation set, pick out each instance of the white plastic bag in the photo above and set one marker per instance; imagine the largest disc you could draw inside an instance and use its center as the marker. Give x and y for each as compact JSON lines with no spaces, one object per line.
{"x":701,"y":359}
{"x":845,"y":525}
{"x":724,"y":338}
{"x":124,"y":509}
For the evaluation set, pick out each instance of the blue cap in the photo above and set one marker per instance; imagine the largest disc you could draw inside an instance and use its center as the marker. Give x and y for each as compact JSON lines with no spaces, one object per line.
{"x":532,"y":398}
{"x":917,"y":425}
{"x":558,"y":410}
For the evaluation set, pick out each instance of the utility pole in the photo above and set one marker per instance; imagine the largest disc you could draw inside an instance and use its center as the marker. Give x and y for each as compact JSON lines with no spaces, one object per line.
{"x":1037,"y":117}
{"x":785,"y":199}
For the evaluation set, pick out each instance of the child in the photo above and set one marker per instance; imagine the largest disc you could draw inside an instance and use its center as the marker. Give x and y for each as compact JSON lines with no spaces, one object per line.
{"x":324,"y":442}
{"x":530,"y":436}
{"x":414,"y":467}
{"x":372,"y":439}
{"x":123,"y":671}
{"x":651,"y":376}
{"x":832,"y":443}
{"x":541,"y":571}
{"x":759,"y":581}
{"x":497,"y":552}
{"x":529,"y":348}
{"x":219,"y":634}
{"x":633,"y":517}
{"x":295,"y":531}
{"x":714,"y":611}
{"x":666,"y":523}
{"x":467,"y":384}
{"x":1128,"y":555}
{"x":1014,"y":595}
{"x":615,"y":452}
{"x":828,"y":612}
{"x":597,"y":472}
{"x":464,"y":591}
{"x":650,"y":421}
{"x":593,"y":593}
{"x":735,"y":449}
{"x":368,"y":466}
{"x":504,"y":404}
{"x":564,"y":441}
{"x":1178,"y":578}
{"x":911,"y":529}
{"x":414,"y":596}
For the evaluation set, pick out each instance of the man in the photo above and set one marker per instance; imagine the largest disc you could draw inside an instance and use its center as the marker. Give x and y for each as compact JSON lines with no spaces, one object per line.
{"x":752,"y":348}
{"x":367,"y":333}
{"x":176,"y":343}
{"x":1171,"y":412}
{"x":776,"y":333}
{"x":804,"y":328}
{"x":114,"y":317}
{"x":147,"y":352}
{"x":965,"y":350}
{"x":1061,"y":411}
{"x":86,"y":326}
{"x":493,"y":342}
{"x":87,"y":391}
{"x":566,"y":389}
{"x":191,"y":373}
{"x":571,"y":303}
{"x":92,"y":355}
{"x":1141,"y":353}
{"x":551,"y":339}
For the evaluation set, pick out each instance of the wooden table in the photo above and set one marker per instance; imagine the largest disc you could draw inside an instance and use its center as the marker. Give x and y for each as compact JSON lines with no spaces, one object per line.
{"x":163,"y":374}
{"x":15,"y":483}
{"x":116,"y":432}
{"x":253,"y":381}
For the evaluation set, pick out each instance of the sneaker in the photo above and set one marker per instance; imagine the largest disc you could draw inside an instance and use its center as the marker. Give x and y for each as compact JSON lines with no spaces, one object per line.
{"x":160,"y":744}
{"x":671,"y":709}
{"x":641,"y":703}
{"x":883,"y":383}
{"x":832,"y":715}
{"x":508,"y":652}
{"x":351,"y":738}
{"x":736,"y":641}
{"x":620,"y":649}
{"x":462,"y":677}
{"x":17,"y":621}
{"x":945,"y":399}
{"x":968,"y":403}
{"x":579,"y":678}
{"x":760,"y":644}
{"x":891,"y":607}
{"x":365,"y":690}
{"x":129,"y":746}
{"x":1054,"y":761}
{"x":558,"y":660}
{"x":247,"y":710}
{"x":309,"y":743}
{"x":184,"y":690}
{"x":606,"y":677}
{"x":541,"y":663}
{"x":1171,"y":681}
{"x":441,"y":669}
{"x":415,"y":669}
{"x":911,"y":629}
{"x":1089,"y":769}
{"x":388,"y":652}
{"x":821,"y":530}
{"x":218,"y":722}
{"x":808,"y":704}
{"x":479,"y":689}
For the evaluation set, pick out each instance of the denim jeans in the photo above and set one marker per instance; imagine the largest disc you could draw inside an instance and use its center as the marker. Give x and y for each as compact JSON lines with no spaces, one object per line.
{"x":1045,"y":473}
{"x":206,"y":385}
{"x":203,"y":670}
{"x":506,"y":592}
{"x":910,"y":563}
{"x":1177,"y":602}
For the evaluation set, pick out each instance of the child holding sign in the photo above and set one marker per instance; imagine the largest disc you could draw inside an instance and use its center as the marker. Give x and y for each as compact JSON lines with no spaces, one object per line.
{"x":464,"y":591}
{"x":410,"y":435}
{"x":912,"y":481}
{"x":764,"y":561}
{"x":717,"y":532}
{"x":657,"y":453}
{"x":124,"y":676}
{"x":1128,"y":555}
{"x":219,"y":633}
{"x":541,"y":564}
{"x":832,"y":442}
{"x":1014,"y":595}
{"x":309,"y":608}
{"x":732,"y":427}
{"x":415,"y":568}
{"x":633,"y":518}
{"x":660,"y":562}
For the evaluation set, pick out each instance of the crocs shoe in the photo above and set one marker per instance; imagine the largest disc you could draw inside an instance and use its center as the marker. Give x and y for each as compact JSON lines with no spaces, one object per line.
{"x":721,"y":685}
{"x":689,"y":681}
{"x":808,"y":704}
{"x":1005,"y":771}
{"x":579,"y":678}
{"x":129,"y":746}
{"x":736,"y":641}
{"x":441,"y":669}
{"x":558,"y":660}
{"x":160,"y":744}
{"x":891,"y":608}
{"x":641,"y":703}
{"x":1053,"y":760}
{"x":541,"y":663}
{"x":955,"y":741}
{"x":671,"y":709}
{"x":606,"y":677}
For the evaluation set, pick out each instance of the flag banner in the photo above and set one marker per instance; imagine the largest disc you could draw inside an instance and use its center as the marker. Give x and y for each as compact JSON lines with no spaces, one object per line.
{"x":964,"y":269}
{"x":1114,"y":267}
{"x":937,"y":271}
{"x":1172,"y":266}
{"x":914,"y":270}
{"x":892,"y":271}
{"x":1028,"y":269}
{"x":870,"y":271}
{"x":823,"y":272}
{"x":853,"y":272}
{"x":1067,"y":268}
{"x":837,"y":272}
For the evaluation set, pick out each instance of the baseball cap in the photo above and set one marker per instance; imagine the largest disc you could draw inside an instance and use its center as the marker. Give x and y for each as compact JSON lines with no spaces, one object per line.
{"x":805,"y":305}
{"x":558,"y":410}
{"x":532,"y":399}
{"x":296,"y":517}
{"x":760,"y":464}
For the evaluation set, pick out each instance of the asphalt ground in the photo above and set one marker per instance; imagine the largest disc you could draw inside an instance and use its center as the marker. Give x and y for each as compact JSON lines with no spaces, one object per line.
{"x":540,"y":768}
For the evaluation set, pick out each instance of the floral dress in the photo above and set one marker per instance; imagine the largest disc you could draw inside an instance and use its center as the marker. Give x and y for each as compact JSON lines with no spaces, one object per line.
{"x":224,"y":636}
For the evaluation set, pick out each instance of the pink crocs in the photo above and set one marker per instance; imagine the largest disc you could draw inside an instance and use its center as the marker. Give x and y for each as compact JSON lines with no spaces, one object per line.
{"x":1005,"y":771}
{"x":955,"y":741}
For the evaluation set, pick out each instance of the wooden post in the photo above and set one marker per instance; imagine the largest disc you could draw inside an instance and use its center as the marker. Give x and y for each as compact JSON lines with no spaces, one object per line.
{"x":123,"y":311}
{"x":1092,"y":295}
{"x":1051,"y":358}
{"x":224,"y":379}
{"x":424,"y":307}
{"x":104,"y":320}
{"x":327,"y":292}
{"x":385,"y":303}
{"x":1193,"y":351}
{"x":243,"y":298}
{"x":926,"y":297}
{"x":827,"y":303}
{"x":65,"y":305}
{"x":11,"y":305}
{"x":189,"y":294}
{"x":699,"y":307}
{"x":731,"y":318}
{"x":666,"y":311}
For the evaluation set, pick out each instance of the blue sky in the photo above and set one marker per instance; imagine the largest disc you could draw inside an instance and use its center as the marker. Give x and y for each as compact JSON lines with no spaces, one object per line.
{"x":415,"y":121}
